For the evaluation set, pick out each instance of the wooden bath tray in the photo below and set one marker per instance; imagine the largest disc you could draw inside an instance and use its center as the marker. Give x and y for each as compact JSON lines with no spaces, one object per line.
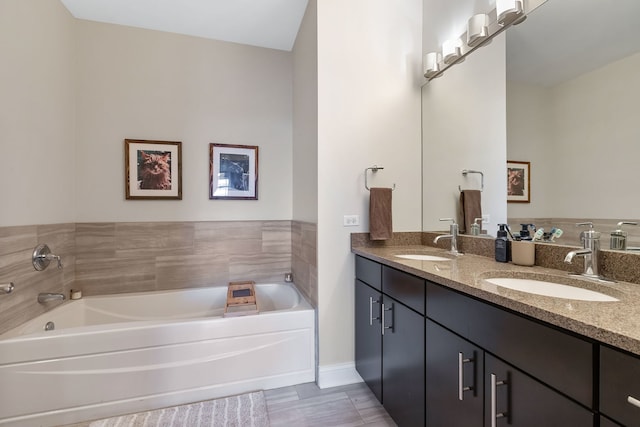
{"x":241,"y":299}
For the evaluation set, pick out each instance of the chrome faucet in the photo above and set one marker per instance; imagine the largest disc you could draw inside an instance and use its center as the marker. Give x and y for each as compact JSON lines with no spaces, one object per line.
{"x":453,"y":235}
{"x":45,"y":297}
{"x":590,"y":251}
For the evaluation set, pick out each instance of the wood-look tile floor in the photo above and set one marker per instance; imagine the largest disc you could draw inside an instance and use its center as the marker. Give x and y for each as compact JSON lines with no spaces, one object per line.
{"x":306,"y":405}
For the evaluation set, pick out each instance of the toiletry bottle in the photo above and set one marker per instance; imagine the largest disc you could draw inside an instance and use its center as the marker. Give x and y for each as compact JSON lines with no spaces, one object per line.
{"x":619,"y":237}
{"x":503,"y":247}
{"x":475,"y":227}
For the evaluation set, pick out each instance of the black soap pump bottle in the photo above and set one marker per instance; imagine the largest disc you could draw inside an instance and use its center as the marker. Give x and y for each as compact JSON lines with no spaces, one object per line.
{"x":503,"y":245}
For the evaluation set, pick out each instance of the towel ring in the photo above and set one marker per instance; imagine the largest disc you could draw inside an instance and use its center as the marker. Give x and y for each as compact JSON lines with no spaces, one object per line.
{"x":466,"y":171}
{"x":374,"y":169}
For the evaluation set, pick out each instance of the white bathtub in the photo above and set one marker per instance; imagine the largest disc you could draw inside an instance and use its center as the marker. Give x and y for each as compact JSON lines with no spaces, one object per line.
{"x":132,"y":352}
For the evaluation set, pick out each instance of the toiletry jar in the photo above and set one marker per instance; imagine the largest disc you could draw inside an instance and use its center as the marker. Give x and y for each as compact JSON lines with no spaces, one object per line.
{"x":523,"y":252}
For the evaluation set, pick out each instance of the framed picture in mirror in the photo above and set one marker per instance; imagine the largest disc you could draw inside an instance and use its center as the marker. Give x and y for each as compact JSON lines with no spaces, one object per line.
{"x":518,"y":182}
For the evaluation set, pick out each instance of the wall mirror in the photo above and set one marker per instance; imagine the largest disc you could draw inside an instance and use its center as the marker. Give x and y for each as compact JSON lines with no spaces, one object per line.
{"x":572,"y":112}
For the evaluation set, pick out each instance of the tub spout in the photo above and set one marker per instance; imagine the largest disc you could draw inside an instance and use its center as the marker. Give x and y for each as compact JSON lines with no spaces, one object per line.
{"x":45,"y":297}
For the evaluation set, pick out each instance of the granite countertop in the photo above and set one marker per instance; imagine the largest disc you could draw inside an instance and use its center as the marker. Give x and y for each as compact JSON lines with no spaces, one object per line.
{"x":614,"y":323}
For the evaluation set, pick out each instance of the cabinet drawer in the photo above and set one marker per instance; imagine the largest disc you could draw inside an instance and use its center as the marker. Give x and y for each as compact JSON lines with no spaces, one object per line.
{"x":370,"y":272}
{"x":407,"y":289}
{"x":558,"y":359}
{"x":619,"y":383}
{"x":526,"y":402}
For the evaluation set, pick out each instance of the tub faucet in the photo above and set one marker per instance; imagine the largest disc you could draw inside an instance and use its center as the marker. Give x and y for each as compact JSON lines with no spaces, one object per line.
{"x":590,"y":251}
{"x":45,"y":297}
{"x":453,"y":235}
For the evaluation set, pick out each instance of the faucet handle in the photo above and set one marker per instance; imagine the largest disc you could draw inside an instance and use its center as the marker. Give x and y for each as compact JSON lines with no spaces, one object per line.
{"x":448,"y":219}
{"x":621,"y":223}
{"x":590,"y":224}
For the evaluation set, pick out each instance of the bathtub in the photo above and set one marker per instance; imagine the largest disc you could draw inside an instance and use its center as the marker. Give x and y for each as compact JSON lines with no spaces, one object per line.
{"x":125,"y":353}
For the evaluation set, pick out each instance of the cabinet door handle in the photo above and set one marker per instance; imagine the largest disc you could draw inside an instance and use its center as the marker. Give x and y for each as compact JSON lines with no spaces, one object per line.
{"x":384,"y":326}
{"x":635,"y":402}
{"x":371,"y":318}
{"x":494,"y":400}
{"x":461,"y":387}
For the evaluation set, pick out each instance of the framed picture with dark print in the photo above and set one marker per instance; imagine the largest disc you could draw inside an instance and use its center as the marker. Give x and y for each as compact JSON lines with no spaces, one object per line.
{"x":153,"y":169}
{"x":518,"y":182}
{"x":233,"y":172}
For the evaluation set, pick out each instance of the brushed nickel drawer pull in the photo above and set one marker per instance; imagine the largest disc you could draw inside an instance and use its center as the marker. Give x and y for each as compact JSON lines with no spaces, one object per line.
{"x":494,"y":400}
{"x":371,"y":318}
{"x":635,"y":402}
{"x":461,"y":387}
{"x":383,"y":321}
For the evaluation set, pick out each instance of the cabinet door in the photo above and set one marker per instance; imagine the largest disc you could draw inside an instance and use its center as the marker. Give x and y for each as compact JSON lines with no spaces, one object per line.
{"x":514,"y":398}
{"x":403,"y":364}
{"x":620,"y":386}
{"x":368,"y":337}
{"x":453,"y":379}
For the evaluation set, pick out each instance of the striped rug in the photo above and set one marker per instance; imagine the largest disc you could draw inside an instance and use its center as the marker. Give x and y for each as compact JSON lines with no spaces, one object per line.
{"x":245,"y":410}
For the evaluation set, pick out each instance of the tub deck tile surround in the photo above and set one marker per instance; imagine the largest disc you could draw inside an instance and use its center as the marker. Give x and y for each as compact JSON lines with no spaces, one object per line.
{"x":16,"y":247}
{"x":304,"y":259}
{"x":106,"y":258}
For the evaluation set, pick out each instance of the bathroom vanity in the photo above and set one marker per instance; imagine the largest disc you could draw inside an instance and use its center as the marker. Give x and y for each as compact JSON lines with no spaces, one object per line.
{"x":440,"y":346}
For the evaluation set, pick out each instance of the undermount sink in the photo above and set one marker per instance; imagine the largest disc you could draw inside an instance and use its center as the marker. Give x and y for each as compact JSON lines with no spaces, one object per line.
{"x":423,"y":257}
{"x":550,"y":289}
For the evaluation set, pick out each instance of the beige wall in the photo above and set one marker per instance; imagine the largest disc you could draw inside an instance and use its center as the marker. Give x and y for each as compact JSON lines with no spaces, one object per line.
{"x":37,"y":113}
{"x":464,"y":128}
{"x":368,"y":113}
{"x":590,"y":149}
{"x":305,"y":118}
{"x":142,"y":84}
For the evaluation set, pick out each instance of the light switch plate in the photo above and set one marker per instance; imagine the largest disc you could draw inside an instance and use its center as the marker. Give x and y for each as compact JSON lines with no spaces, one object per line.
{"x":351,"y":220}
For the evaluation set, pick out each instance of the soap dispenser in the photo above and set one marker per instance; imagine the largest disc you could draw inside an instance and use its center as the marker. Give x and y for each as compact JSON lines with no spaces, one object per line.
{"x":524,"y":232}
{"x":502,"y":243}
{"x":619,"y":237}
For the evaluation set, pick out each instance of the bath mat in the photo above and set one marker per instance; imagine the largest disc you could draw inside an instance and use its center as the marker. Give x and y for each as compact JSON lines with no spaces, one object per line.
{"x":245,"y":410}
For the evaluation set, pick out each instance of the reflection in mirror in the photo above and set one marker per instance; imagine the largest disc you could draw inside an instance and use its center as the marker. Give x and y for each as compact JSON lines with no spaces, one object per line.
{"x":572,"y":111}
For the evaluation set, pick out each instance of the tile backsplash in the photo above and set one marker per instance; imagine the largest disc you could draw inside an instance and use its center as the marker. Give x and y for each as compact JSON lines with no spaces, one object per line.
{"x":107,"y":258}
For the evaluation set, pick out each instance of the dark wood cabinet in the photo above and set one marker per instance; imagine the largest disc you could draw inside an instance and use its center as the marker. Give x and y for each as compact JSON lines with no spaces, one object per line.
{"x":436,"y":356}
{"x":403,"y":364}
{"x":620,"y":386}
{"x":368,"y":337}
{"x":390,"y":340}
{"x":556,"y":358}
{"x":454,"y":388}
{"x":514,"y":398}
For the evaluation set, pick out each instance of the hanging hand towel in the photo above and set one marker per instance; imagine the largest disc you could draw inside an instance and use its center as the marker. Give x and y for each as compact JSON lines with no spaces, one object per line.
{"x":380,"y":224}
{"x":469,"y":209}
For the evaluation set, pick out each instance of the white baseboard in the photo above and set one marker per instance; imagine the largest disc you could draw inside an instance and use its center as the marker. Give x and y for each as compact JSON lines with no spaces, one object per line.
{"x":337,"y":375}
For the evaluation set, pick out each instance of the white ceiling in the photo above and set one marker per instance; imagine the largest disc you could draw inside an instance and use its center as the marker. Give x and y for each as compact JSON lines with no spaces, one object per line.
{"x":266,"y":23}
{"x":563,"y":39}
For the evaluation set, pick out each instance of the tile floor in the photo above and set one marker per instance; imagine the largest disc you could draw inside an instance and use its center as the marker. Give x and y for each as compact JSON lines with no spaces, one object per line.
{"x":306,"y":405}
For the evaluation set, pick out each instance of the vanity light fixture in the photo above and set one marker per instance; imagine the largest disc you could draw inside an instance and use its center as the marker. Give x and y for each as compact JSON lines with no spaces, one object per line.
{"x":477,"y":29}
{"x":432,"y":64}
{"x":481,"y":29}
{"x":451,"y":51}
{"x":510,"y":12}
